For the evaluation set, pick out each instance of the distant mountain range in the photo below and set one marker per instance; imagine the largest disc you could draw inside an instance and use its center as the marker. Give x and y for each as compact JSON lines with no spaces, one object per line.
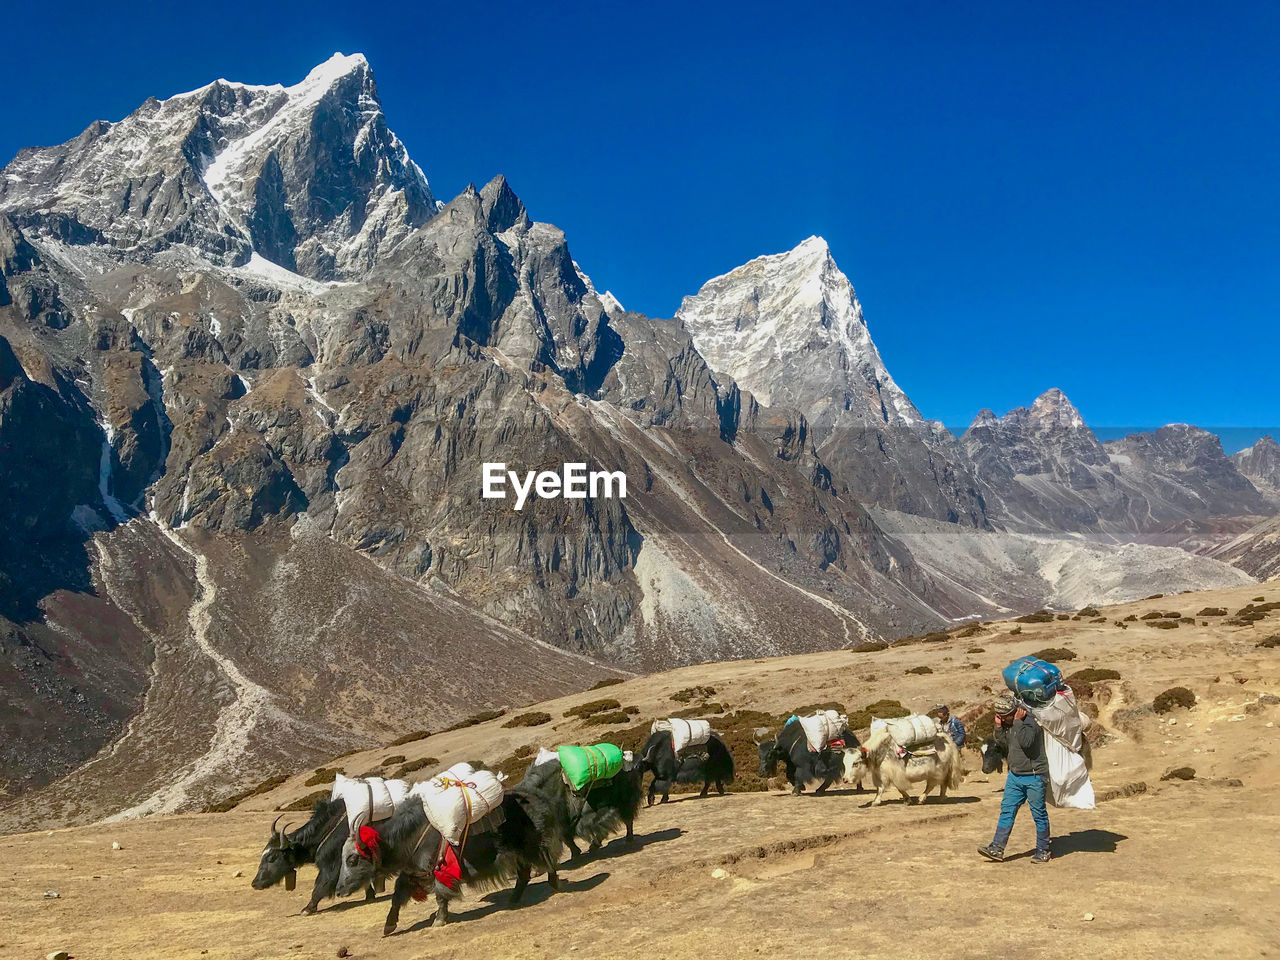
{"x":251,"y":369}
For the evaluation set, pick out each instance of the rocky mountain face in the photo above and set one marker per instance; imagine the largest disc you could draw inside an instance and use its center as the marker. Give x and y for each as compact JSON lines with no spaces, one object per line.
{"x":250,"y":375}
{"x":250,"y":371}
{"x":1042,"y":469}
{"x":307,"y":177}
{"x":789,"y":328}
{"x":1260,"y":464}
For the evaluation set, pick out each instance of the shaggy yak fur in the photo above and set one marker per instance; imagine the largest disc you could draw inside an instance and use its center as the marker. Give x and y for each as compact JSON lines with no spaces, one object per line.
{"x":318,"y":841}
{"x":715,"y":764}
{"x":605,"y":808}
{"x":943,"y":768}
{"x":804,"y":766}
{"x":526,"y":842}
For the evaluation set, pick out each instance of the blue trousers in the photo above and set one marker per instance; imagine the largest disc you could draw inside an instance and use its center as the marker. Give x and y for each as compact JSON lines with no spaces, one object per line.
{"x":1019,"y":789}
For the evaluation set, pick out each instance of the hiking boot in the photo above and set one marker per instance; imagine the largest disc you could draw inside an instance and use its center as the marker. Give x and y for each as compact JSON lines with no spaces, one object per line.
{"x":1041,"y":856}
{"x":992,"y":852}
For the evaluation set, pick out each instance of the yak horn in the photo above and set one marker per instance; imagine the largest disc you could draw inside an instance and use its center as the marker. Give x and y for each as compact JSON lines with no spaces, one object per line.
{"x":275,"y":823}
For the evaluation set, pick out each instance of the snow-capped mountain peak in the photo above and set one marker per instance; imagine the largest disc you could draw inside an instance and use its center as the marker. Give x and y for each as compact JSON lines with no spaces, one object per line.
{"x":307,"y":176}
{"x":789,"y":328}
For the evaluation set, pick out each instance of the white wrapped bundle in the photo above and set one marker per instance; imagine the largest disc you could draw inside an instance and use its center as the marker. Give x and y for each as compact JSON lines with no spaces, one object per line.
{"x":545,"y":756}
{"x":907,"y":732}
{"x":458,"y":798}
{"x":684,"y":733}
{"x":823,"y":727}
{"x":1064,"y":726}
{"x":368,"y":800}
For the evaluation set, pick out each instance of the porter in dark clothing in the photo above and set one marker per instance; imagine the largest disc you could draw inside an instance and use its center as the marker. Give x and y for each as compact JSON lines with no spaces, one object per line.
{"x":1020,"y":735}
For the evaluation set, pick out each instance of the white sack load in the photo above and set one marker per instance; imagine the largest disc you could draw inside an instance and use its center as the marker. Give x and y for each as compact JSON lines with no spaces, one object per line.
{"x":1064,"y":726}
{"x":545,"y":756}
{"x":823,"y":727}
{"x":368,"y":799}
{"x":684,"y":733}
{"x":908,"y":732}
{"x":458,"y":798}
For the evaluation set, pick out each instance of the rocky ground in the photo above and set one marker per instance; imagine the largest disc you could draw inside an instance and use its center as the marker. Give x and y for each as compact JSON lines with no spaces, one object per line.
{"x":1162,"y":868}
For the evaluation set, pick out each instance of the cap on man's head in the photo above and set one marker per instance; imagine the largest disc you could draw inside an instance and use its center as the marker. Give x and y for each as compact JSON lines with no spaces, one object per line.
{"x":942,"y":708}
{"x":1004,"y":704}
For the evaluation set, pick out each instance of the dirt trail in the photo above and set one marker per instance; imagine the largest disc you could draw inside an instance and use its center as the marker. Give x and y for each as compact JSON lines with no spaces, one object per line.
{"x":1180,"y":869}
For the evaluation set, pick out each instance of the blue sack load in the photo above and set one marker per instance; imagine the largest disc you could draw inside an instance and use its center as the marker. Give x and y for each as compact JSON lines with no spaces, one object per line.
{"x":1032,"y":680}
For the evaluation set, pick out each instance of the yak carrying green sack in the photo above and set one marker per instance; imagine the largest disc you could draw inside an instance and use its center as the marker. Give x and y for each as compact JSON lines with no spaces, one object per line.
{"x":584,"y":766}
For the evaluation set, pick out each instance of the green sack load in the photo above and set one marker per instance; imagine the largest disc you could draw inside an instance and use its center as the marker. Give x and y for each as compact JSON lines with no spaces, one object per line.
{"x":584,"y":766}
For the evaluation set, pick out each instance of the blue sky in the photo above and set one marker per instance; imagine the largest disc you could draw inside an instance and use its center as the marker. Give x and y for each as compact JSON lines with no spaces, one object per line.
{"x":1080,"y":195}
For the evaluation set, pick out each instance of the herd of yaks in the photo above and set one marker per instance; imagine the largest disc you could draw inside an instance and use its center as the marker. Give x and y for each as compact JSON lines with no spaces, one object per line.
{"x":465,"y":827}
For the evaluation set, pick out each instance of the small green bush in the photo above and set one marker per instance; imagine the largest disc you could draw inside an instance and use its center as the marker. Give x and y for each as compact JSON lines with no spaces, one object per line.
{"x":920,"y":670}
{"x":534,"y":718}
{"x":975,"y":650}
{"x":606,"y":682}
{"x":322,"y":775}
{"x":1270,"y":642}
{"x":1015,"y":631}
{"x":1213,"y":612}
{"x":389,"y":761}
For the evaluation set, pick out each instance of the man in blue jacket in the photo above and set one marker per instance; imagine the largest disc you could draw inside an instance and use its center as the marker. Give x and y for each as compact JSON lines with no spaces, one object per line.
{"x":1023,"y":742}
{"x":953,"y":727}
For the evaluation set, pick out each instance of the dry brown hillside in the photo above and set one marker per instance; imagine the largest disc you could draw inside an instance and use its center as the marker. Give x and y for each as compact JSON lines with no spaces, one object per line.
{"x":1163,"y":868}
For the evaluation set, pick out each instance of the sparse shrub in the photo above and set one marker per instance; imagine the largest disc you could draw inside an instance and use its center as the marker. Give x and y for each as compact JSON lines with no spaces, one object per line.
{"x":1055,"y":654}
{"x":920,"y":670}
{"x":388,"y":761}
{"x":1152,"y":615}
{"x":1259,"y":599}
{"x":935,"y":636}
{"x":868,"y":646}
{"x":1165,"y":624}
{"x":222,"y":806}
{"x":483,"y":717}
{"x":525,"y":751}
{"x":690,"y":693}
{"x":1015,"y":631}
{"x":1190,"y":620}
{"x":1130,"y":618}
{"x":1173,"y":697}
{"x":1213,"y":612}
{"x":885,"y":709}
{"x":698,"y":710}
{"x":607,"y":718}
{"x":972,"y":630}
{"x":1154,"y":596}
{"x":322,"y":775}
{"x":634,"y":710}
{"x":1040,"y":616}
{"x":1064,"y":616}
{"x":1270,"y":642}
{"x":409,"y":738}
{"x":815,"y":707}
{"x":975,"y":650}
{"x":534,"y":718}
{"x":584,"y":710}
{"x":413,"y":766}
{"x":1083,"y":689}
{"x":307,"y":802}
{"x":606,"y":682}
{"x":1090,"y":612}
{"x":1093,"y":675}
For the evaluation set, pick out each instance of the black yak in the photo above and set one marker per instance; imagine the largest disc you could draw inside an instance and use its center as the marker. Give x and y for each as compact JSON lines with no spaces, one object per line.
{"x":605,"y":807}
{"x":318,"y":841}
{"x":517,"y":840}
{"x":803,"y":764}
{"x":712,"y":763}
